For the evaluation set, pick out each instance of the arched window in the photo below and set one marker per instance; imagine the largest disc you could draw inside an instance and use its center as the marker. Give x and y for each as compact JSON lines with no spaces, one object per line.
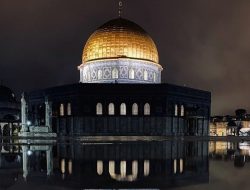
{"x":175,"y":166}
{"x":69,"y":109}
{"x":115,"y":73}
{"x":99,"y":74}
{"x":131,"y":74}
{"x":99,"y":167}
{"x":98,"y":109}
{"x":70,"y":166}
{"x":175,"y":110}
{"x":145,"y":75}
{"x":63,"y":168}
{"x":111,"y":109}
{"x":135,"y":109}
{"x":123,"y":109}
{"x":61,"y":110}
{"x":147,"y":109}
{"x":123,"y":168}
{"x":154,"y":77}
{"x":182,"y":110}
{"x":181,"y":165}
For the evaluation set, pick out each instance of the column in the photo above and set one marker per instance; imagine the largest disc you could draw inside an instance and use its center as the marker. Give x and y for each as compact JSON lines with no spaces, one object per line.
{"x":49,"y":160}
{"x":24,"y":114}
{"x":48,"y":114}
{"x":25,"y":162}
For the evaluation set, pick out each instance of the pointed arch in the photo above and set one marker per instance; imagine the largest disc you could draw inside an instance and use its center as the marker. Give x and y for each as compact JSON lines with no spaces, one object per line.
{"x":99,"y":74}
{"x":115,"y":73}
{"x":99,"y":109}
{"x":111,"y":109}
{"x":123,"y":110}
{"x":61,"y":110}
{"x":175,"y":110}
{"x":145,"y":75}
{"x":69,"y":109}
{"x":147,"y":109}
{"x":131,"y":74}
{"x":135,"y":109}
{"x":182,"y":110}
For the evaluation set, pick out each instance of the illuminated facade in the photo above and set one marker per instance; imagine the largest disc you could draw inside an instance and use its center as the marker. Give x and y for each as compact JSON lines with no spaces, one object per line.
{"x":120,"y":51}
{"x":120,"y":92}
{"x":229,"y":126}
{"x":238,"y":152}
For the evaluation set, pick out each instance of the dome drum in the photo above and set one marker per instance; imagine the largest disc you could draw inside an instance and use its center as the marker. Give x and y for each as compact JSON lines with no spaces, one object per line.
{"x":120,"y":71}
{"x":120,"y":51}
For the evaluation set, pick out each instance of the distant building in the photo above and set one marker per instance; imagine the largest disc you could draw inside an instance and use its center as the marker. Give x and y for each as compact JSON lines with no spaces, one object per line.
{"x":9,"y":112}
{"x":238,"y":152}
{"x":238,"y":125}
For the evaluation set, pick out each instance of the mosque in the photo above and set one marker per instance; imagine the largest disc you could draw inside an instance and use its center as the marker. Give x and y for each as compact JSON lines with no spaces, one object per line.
{"x":120,"y":91}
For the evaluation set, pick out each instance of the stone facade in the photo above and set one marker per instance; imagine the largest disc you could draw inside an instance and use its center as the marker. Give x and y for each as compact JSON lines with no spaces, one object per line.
{"x":109,"y":109}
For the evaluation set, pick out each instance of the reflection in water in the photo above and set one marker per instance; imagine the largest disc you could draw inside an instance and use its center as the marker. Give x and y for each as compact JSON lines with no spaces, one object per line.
{"x":238,"y":152}
{"x":36,"y":157}
{"x":118,"y":165}
{"x":122,"y":176}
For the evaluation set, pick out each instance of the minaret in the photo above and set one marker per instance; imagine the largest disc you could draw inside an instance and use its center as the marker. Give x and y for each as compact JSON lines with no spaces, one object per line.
{"x":48,"y":114}
{"x":24,"y":114}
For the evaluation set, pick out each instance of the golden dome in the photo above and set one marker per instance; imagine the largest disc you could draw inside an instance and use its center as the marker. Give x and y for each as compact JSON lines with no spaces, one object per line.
{"x":120,"y":38}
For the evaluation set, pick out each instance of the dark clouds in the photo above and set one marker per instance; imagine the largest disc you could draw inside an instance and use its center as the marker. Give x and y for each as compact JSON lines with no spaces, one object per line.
{"x":202,"y":43}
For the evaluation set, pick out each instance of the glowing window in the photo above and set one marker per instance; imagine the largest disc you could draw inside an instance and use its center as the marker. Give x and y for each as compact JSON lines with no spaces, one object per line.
{"x":99,"y":167}
{"x":135,"y":109}
{"x":99,"y":74}
{"x":145,"y":74}
{"x":63,"y":166}
{"x":98,"y":109}
{"x":69,"y":109}
{"x":175,"y":166}
{"x":181,"y":165}
{"x":175,"y":110}
{"x":123,"y":109}
{"x":131,"y":74}
{"x":154,"y":77}
{"x":123,"y":168}
{"x":70,"y":166}
{"x":111,"y":109}
{"x":182,"y":110}
{"x":146,"y":167}
{"x":61,"y":110}
{"x":147,"y":109}
{"x":115,"y":73}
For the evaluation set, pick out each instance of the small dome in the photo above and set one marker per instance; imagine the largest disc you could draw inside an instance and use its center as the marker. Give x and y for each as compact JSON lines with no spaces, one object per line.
{"x":120,"y":38}
{"x":6,"y":94}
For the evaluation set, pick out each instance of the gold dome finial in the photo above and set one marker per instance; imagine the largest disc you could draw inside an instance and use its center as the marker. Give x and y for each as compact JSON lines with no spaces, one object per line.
{"x":120,"y":8}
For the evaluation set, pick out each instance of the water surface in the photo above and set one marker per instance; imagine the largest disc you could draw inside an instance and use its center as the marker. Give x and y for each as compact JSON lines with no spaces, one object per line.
{"x":169,"y":164}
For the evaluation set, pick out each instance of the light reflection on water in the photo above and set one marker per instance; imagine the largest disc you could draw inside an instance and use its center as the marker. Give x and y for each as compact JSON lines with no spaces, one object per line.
{"x":155,"y":165}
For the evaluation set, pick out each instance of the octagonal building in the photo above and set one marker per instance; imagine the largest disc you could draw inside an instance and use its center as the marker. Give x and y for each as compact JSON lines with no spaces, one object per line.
{"x":120,"y":91}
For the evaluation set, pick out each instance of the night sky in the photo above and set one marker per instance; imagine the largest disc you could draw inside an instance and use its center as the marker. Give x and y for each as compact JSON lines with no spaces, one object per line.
{"x":203,"y":44}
